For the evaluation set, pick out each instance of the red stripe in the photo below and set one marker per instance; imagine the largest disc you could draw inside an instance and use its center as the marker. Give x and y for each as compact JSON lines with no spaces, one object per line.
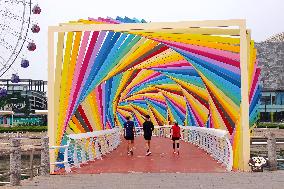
{"x":206,"y":54}
{"x":82,"y":113}
{"x":227,"y":123}
{"x":255,"y":79}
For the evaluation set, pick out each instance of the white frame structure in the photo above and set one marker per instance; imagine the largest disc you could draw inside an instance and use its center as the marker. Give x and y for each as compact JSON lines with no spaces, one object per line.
{"x":200,"y":27}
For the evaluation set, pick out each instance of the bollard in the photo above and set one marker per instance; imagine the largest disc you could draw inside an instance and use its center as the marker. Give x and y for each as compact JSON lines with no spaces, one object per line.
{"x":44,"y":158}
{"x":15,"y":162}
{"x":31,"y":163}
{"x":271,"y":149}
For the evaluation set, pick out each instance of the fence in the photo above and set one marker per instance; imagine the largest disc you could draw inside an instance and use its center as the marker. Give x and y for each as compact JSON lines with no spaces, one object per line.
{"x":213,"y":141}
{"x":15,"y":153}
{"x":272,"y":139}
{"x":85,"y":147}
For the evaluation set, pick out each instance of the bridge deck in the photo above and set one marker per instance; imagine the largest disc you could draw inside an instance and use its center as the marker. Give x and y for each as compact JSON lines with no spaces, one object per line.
{"x":191,"y":159}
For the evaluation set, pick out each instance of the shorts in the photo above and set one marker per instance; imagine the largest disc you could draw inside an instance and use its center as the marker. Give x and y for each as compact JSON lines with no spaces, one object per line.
{"x":175,"y":138}
{"x":129,"y":137}
{"x":147,"y":137}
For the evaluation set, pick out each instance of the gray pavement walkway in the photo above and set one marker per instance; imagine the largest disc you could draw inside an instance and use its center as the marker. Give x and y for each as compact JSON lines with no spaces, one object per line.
{"x":232,"y":180}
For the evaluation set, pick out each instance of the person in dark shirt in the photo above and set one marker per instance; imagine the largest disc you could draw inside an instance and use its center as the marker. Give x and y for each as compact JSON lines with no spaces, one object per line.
{"x":148,"y":128}
{"x":129,"y":132}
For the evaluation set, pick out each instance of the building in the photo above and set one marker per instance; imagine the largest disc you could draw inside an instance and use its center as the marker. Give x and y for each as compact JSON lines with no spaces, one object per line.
{"x":271,"y":60}
{"x":23,"y":98}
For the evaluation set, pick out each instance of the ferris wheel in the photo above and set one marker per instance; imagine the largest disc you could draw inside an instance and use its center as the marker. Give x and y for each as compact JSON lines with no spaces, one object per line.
{"x":17,"y":29}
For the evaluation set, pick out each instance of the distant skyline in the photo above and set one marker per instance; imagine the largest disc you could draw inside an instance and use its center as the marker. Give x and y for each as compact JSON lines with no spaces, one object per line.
{"x":264,"y":18}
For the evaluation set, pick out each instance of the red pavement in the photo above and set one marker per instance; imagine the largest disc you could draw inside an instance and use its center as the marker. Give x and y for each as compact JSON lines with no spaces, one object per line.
{"x":191,"y":159}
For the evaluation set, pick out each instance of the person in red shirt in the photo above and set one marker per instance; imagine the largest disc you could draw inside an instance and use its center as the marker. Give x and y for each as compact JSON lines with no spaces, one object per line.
{"x":175,"y":133}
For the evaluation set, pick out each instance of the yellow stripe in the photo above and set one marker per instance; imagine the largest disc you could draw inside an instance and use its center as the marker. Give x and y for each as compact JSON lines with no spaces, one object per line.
{"x":75,"y":50}
{"x":199,"y":108}
{"x":87,"y":109}
{"x":65,"y":70}
{"x":96,"y":111}
{"x":184,"y":36}
{"x":74,"y":127}
{"x":59,"y":59}
{"x":124,"y":61}
{"x":201,"y":92}
{"x":218,"y":122}
{"x":231,"y":108}
{"x":163,"y":58}
{"x":90,"y":100}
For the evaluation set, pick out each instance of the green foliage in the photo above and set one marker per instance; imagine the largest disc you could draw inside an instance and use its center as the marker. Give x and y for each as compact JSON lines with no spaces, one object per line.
{"x":23,"y":129}
{"x":270,"y":125}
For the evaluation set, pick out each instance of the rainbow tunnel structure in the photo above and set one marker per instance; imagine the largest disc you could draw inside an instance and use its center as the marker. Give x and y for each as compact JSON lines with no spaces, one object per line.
{"x":106,"y":69}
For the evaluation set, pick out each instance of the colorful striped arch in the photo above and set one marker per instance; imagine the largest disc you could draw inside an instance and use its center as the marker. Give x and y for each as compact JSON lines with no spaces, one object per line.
{"x":111,"y":69}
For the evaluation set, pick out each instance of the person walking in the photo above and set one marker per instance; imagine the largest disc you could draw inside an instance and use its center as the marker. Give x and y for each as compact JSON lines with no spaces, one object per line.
{"x":129,"y":131}
{"x":175,"y":133}
{"x":148,"y":128}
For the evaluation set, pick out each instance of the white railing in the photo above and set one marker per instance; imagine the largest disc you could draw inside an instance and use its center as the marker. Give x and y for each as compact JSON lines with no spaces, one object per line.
{"x":84,"y":147}
{"x":213,"y":141}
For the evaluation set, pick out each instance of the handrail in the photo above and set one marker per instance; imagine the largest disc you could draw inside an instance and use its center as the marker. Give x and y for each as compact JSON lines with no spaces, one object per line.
{"x":214,"y":141}
{"x":93,"y":134}
{"x":85,"y":147}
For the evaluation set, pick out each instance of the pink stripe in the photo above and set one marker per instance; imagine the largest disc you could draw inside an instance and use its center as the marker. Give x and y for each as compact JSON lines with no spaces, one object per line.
{"x":182,"y":109}
{"x":229,"y":67}
{"x":211,"y":121}
{"x":84,"y":67}
{"x":77,"y":70}
{"x":155,"y":74}
{"x":198,"y":118}
{"x":254,"y":84}
{"x":101,"y":103}
{"x":104,"y":20}
{"x":195,"y":117}
{"x":254,"y":71}
{"x":104,"y":101}
{"x":174,"y":64}
{"x":98,"y":100}
{"x":230,"y":55}
{"x":93,"y":57}
{"x":90,"y":64}
{"x":158,"y":100}
{"x":217,"y":57}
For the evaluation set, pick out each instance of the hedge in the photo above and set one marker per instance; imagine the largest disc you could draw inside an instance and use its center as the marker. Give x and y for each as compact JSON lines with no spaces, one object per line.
{"x":23,"y":129}
{"x":270,"y":125}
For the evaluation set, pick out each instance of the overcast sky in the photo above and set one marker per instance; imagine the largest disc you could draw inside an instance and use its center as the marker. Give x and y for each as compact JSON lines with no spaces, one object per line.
{"x":264,"y":17}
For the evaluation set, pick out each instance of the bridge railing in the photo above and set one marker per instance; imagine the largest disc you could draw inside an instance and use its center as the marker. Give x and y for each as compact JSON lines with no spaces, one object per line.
{"x":85,"y":147}
{"x":213,"y":141}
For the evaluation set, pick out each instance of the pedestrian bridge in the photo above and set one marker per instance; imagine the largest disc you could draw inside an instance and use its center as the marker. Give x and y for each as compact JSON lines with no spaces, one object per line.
{"x":199,"y":73}
{"x":202,"y":150}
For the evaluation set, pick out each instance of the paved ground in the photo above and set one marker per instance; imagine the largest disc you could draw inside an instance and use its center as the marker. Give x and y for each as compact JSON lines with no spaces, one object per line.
{"x":266,"y":180}
{"x":117,"y":170}
{"x":191,"y":159}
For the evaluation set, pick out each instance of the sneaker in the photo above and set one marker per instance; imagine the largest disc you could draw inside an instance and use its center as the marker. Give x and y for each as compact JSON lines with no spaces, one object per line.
{"x":128,"y":153}
{"x":148,"y":153}
{"x":178,"y":153}
{"x":131,"y":152}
